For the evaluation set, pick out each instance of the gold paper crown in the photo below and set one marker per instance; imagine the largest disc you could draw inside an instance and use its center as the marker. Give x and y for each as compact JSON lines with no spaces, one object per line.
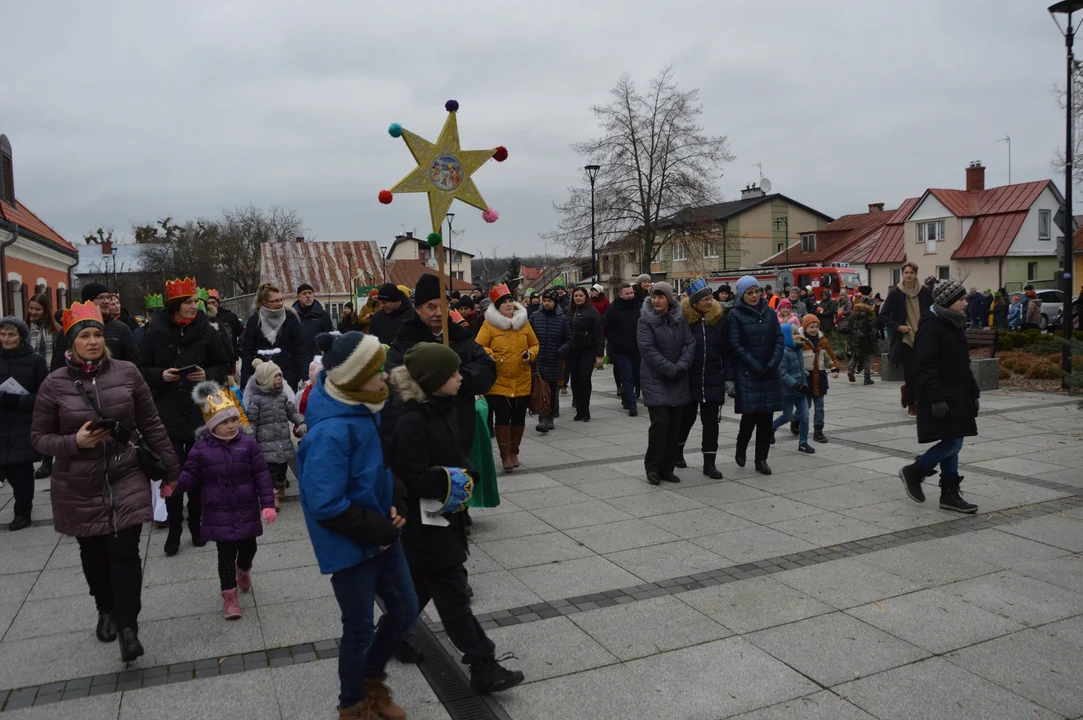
{"x":82,"y":312}
{"x":155,"y":302}
{"x":216,"y":403}
{"x":180,"y":288}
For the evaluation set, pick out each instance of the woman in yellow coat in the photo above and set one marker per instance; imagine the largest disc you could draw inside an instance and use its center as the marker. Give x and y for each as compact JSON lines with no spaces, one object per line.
{"x":510,"y":340}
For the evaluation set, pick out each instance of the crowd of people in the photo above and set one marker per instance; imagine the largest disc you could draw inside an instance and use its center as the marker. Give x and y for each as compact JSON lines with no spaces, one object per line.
{"x":196,"y":404}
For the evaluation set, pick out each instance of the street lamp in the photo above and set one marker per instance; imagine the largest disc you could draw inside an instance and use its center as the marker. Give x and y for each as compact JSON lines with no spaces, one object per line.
{"x":1066,"y":8}
{"x":785,"y":221}
{"x":451,"y":256}
{"x":592,"y":173}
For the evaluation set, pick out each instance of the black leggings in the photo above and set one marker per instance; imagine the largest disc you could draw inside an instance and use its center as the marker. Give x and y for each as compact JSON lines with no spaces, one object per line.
{"x":231,"y":555}
{"x":508,"y":410}
{"x":581,"y":363}
{"x":278,"y":474}
{"x":114,"y":573}
{"x":761,"y":423}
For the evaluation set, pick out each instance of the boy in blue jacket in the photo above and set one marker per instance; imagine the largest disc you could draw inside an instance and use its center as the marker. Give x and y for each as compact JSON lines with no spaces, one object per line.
{"x":354,"y":516}
{"x":791,"y":374}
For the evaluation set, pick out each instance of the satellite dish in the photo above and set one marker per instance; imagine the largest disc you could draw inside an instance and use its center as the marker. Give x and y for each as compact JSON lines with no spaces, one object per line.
{"x":785,"y":277}
{"x":765,"y":185}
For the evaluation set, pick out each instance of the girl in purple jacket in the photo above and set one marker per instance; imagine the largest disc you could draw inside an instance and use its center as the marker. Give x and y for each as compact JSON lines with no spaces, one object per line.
{"x":235,"y":483}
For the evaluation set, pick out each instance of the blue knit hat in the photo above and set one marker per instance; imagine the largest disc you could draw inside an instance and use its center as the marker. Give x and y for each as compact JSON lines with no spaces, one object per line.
{"x":745,"y":283}
{"x":787,"y":334}
{"x":697,"y":290}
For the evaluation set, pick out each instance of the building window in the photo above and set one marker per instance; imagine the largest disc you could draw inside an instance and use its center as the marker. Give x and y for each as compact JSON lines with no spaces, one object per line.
{"x":931,"y":231}
{"x":808,"y":242}
{"x":896,"y":276}
{"x":710,"y":250}
{"x":780,"y":247}
{"x":1032,"y":271}
{"x":678,"y":252}
{"x":943,"y":272}
{"x":1045,"y":224}
{"x":605,"y":263}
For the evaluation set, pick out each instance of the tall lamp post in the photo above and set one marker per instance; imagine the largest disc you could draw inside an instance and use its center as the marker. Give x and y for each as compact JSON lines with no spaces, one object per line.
{"x":785,"y":222}
{"x":1067,"y":8}
{"x":592,"y":173}
{"x":451,"y":256}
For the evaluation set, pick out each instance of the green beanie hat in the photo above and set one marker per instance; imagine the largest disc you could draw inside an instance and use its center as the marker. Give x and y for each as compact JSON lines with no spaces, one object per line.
{"x":431,"y":365}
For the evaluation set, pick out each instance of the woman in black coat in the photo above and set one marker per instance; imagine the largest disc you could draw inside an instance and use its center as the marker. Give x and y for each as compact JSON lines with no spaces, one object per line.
{"x":756,"y":345}
{"x":621,"y":324}
{"x":901,"y":313}
{"x":18,"y":364}
{"x":588,"y":349}
{"x":947,"y":396}
{"x":181,"y":337}
{"x":555,"y":342}
{"x":273,"y":333}
{"x":706,"y":376}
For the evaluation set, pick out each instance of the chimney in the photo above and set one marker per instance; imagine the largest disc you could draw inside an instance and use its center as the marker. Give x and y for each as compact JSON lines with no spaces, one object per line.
{"x":107,"y":247}
{"x":300,"y":238}
{"x":752,"y":191}
{"x":409,"y":234}
{"x":875,"y":208}
{"x":975,"y":177}
{"x":7,"y":172}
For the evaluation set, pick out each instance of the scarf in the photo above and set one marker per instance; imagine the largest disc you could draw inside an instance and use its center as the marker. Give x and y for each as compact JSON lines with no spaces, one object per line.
{"x":271,"y":321}
{"x":374,"y":401}
{"x":956,"y":318}
{"x":913,"y":311}
{"x":90,"y":368}
{"x":182,"y":322}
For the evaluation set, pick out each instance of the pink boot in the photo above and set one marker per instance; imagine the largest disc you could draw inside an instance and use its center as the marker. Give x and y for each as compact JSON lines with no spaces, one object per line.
{"x":244,"y":579}
{"x":231,"y":607}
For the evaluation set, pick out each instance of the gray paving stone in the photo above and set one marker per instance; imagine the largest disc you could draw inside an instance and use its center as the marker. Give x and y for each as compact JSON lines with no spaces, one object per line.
{"x":52,"y":658}
{"x":300,"y":622}
{"x":32,"y":559}
{"x":723,"y":493}
{"x":479,"y":562}
{"x":584,"y":514}
{"x":1033,"y":664}
{"x":752,"y":544}
{"x":273,"y":586}
{"x":506,"y":525}
{"x":185,"y":639}
{"x":547,"y":497}
{"x":1070,"y":630}
{"x":534,"y":550}
{"x":753,"y":604}
{"x":827,"y":529}
{"x":695,"y":523}
{"x":1065,"y":572}
{"x":500,"y":590}
{"x":1056,"y":530}
{"x":621,"y":535}
{"x":514,"y":482}
{"x":52,"y":584}
{"x":835,"y":648}
{"x":659,"y":562}
{"x":605,"y":692}
{"x":102,"y":707}
{"x":1005,"y":550}
{"x":930,"y":563}
{"x":1025,"y":600}
{"x":194,"y":597}
{"x":648,"y":627}
{"x":617,"y":487}
{"x":548,"y":648}
{"x":569,"y":578}
{"x":823,"y":705}
{"x":245,"y":696}
{"x":846,"y":583}
{"x":935,"y":620}
{"x":655,"y":504}
{"x":935,"y":688}
{"x":771,"y":509}
{"x":311,"y":690}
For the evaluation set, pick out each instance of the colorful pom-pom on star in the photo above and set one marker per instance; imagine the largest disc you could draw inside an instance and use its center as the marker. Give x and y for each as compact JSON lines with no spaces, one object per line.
{"x":490,"y":216}
{"x":451,"y":105}
{"x":394,"y":130}
{"x":500,"y":154}
{"x":385,"y":197}
{"x":434,"y":239}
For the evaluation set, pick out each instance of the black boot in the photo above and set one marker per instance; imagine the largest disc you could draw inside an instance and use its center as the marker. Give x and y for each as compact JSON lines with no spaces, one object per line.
{"x":197,"y":535}
{"x":680,"y":457}
{"x":172,"y":542}
{"x":489,"y":676}
{"x":762,"y":467}
{"x":670,"y":477}
{"x":818,"y":434}
{"x":654,"y":478}
{"x":542,"y":427}
{"x":549,"y":422}
{"x":739,"y":457}
{"x":795,"y":427}
{"x":708,"y":467}
{"x":952,"y":499}
{"x":912,"y":476}
{"x":107,"y":629}
{"x":45,"y":470}
{"x":130,"y":647}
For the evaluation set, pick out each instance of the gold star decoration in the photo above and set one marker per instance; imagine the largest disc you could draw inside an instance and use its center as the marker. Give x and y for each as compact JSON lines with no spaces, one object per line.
{"x":444,"y":170}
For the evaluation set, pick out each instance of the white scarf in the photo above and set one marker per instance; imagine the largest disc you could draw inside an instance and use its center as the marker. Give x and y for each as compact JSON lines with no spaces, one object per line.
{"x":271,"y":321}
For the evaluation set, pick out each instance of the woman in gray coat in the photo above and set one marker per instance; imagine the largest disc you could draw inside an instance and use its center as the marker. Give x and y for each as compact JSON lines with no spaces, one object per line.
{"x":666,"y":347}
{"x":270,"y":413}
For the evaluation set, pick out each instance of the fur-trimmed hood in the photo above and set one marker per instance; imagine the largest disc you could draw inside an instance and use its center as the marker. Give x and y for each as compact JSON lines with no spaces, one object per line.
{"x":712,"y":318}
{"x":498,"y":321}
{"x":407,"y":388}
{"x":864,"y":307}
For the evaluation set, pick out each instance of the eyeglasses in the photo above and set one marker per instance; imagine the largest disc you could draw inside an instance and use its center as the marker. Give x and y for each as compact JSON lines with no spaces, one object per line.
{"x":754,"y":291}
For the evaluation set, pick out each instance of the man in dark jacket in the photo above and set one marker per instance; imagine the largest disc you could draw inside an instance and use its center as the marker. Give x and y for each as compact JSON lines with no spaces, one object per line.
{"x":24,"y":371}
{"x":901,"y":313}
{"x":975,"y":309}
{"x":706,"y":376}
{"x":314,"y":320}
{"x":947,"y":397}
{"x":477,"y":367}
{"x":227,"y":316}
{"x":395,"y":310}
{"x":118,"y":336}
{"x":620,"y":323}
{"x":554,"y":342}
{"x":473,"y":318}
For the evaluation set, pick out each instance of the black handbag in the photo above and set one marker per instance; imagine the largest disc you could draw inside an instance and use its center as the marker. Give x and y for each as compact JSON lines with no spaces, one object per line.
{"x":153,"y":465}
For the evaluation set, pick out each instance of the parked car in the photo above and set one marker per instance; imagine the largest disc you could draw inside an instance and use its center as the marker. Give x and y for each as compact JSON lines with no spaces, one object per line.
{"x":1051,"y":306}
{"x":1058,"y":321}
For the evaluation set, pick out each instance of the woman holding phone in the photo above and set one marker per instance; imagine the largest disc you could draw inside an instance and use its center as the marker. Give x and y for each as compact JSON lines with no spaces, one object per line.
{"x":510,"y":340}
{"x":180,"y":349}
{"x":98,"y":489}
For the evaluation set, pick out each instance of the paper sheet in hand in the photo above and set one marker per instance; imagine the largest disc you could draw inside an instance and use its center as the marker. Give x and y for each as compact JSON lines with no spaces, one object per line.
{"x":12,"y":387}
{"x":431,"y":515}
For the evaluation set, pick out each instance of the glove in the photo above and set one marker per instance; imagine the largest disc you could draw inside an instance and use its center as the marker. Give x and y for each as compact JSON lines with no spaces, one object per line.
{"x":269,"y":515}
{"x":731,"y":388}
{"x":165,"y":491}
{"x":940,"y":409}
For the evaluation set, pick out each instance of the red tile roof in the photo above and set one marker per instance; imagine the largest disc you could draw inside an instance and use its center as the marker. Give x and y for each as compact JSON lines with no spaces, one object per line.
{"x":22,"y":216}
{"x":990,"y":236}
{"x":408,"y":272}
{"x":1004,"y":199}
{"x":835,"y":237}
{"x":328,"y":266}
{"x":890,"y":248}
{"x":858,"y":253}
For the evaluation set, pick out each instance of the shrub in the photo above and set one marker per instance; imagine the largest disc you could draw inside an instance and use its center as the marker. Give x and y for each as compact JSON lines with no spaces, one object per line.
{"x":1004,"y":342}
{"x":1045,"y":346}
{"x":1005,"y":373}
{"x":1043,"y":371}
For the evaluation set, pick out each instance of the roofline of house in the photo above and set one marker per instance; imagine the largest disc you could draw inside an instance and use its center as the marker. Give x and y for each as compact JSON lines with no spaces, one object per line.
{"x":758,"y":201}
{"x":421,"y":241}
{"x":30,"y":235}
{"x":1049,"y":184}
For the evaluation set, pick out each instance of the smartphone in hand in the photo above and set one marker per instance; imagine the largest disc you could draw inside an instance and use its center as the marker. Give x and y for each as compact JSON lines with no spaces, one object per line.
{"x":110,"y":425}
{"x":187,"y":370}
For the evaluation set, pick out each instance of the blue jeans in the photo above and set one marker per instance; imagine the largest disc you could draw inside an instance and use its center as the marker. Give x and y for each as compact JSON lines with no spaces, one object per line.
{"x":945,"y":454}
{"x":794,"y":406}
{"x":818,"y":415}
{"x":364,"y":651}
{"x":629,"y":380}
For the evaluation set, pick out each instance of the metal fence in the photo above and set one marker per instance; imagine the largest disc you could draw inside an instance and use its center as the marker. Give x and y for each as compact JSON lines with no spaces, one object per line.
{"x":240,"y":305}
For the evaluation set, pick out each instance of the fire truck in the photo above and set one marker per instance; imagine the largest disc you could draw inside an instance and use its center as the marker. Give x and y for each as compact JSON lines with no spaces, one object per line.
{"x":833,"y":277}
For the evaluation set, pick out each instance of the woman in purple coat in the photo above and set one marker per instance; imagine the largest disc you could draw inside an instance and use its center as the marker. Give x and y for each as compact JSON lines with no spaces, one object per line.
{"x":227,"y":467}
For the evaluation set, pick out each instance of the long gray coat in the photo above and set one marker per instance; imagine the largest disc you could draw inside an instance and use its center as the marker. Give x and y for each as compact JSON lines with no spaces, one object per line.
{"x":270,"y":416}
{"x":667,"y":348}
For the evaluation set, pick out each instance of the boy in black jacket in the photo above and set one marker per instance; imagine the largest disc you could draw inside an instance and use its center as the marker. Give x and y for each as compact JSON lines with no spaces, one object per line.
{"x":427,"y":457}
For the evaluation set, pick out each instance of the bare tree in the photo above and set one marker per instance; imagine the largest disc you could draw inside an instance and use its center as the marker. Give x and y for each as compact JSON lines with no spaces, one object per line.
{"x":655,"y":160}
{"x":1077,"y":127}
{"x":242,"y":231}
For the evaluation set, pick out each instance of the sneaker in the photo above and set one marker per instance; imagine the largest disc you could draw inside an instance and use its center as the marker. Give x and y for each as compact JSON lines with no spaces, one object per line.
{"x":912,"y":476}
{"x":244,"y":579}
{"x":489,"y":676}
{"x":912,"y":411}
{"x":231,"y":607}
{"x":806,"y":448}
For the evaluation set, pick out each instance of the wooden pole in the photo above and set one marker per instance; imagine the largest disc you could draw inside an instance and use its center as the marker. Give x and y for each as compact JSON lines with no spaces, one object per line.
{"x":443,"y":295}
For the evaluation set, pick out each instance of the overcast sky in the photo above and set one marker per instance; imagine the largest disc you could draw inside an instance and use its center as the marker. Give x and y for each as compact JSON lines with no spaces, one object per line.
{"x":123,"y":111}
